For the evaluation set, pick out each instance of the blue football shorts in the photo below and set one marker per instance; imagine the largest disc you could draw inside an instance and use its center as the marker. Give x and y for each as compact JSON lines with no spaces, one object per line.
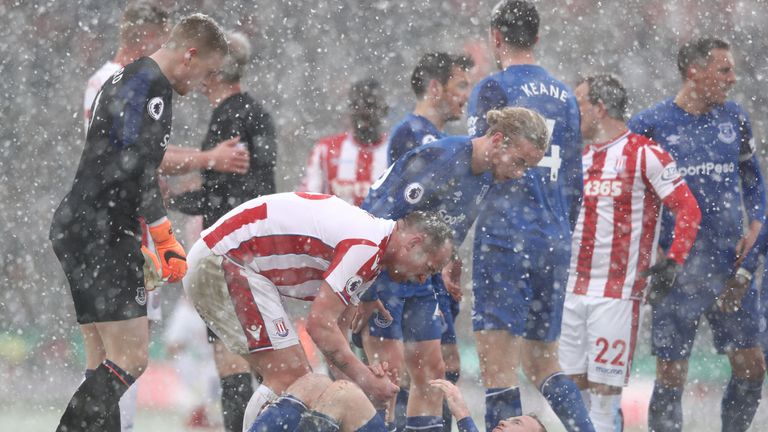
{"x":519,"y":292}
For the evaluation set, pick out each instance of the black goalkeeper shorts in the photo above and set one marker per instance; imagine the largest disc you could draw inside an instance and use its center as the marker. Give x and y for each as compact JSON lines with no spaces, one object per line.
{"x":105,"y":277}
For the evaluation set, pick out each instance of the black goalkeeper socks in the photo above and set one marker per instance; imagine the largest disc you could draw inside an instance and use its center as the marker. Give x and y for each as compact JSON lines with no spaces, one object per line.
{"x":95,"y":401}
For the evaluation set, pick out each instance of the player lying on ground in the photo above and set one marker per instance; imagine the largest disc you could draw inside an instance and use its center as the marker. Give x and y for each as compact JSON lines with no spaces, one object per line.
{"x":314,"y":403}
{"x":459,"y":409}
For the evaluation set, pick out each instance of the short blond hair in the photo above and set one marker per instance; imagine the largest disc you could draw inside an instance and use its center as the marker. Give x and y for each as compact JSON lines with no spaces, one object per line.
{"x":517,"y":121}
{"x":137,"y":15}
{"x":200,"y":31}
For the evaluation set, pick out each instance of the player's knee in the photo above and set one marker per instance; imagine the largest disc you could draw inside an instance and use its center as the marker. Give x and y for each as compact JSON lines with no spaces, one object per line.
{"x":538,"y":370}
{"x":309,"y":387}
{"x":283,"y":378}
{"x":384,"y":350}
{"x":451,"y":357}
{"x":134,"y":366}
{"x":346,"y":391}
{"x":581,"y":381}
{"x":427,"y":369}
{"x":425,"y":363}
{"x":671,"y":373}
{"x":338,"y":397}
{"x":748,"y":364}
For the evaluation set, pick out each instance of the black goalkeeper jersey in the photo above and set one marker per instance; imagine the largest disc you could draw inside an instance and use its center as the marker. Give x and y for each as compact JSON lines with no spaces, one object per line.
{"x":237,"y":115}
{"x":116,"y":180}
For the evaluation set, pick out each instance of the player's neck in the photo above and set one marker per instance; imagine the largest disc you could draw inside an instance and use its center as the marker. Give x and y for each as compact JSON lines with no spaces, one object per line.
{"x":168,"y":60}
{"x":223,"y":91}
{"x":511,"y":57}
{"x":692,"y":101}
{"x":393,"y":244}
{"x":607,"y":132}
{"x":425,"y":109}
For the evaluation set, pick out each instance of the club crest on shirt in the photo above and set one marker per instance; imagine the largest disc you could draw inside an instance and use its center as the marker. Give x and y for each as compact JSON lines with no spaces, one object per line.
{"x":428,"y":139}
{"x":141,"y":296}
{"x":155,"y":107}
{"x":280,"y":328}
{"x":727,"y":133}
{"x":414,"y":192}
{"x":353,"y":284}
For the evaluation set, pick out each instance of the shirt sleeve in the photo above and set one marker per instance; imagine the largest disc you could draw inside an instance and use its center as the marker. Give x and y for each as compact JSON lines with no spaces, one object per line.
{"x":752,"y":260}
{"x":466,"y":425}
{"x":140,"y":140}
{"x":660,"y":169}
{"x":486,"y":96}
{"x":660,"y":172}
{"x":354,"y":267}
{"x":746,"y":139}
{"x":315,"y":177}
{"x":405,"y":187}
{"x":753,"y":189}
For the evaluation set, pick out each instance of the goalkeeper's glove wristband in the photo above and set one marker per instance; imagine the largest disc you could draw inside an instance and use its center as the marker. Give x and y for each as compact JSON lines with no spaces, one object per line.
{"x":663,"y":276}
{"x":173,"y":259}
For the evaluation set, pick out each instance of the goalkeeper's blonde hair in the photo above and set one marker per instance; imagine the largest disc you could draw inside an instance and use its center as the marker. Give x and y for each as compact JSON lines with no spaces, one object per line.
{"x":199,"y":31}
{"x":517,"y":121}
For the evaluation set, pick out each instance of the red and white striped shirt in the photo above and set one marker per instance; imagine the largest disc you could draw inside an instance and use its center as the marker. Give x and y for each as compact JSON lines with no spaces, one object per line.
{"x":341,"y":166}
{"x":617,"y":232}
{"x":298,"y":240}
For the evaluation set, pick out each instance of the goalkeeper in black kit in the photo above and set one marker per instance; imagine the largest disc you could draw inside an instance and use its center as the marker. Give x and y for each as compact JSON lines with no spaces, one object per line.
{"x":96,"y":231}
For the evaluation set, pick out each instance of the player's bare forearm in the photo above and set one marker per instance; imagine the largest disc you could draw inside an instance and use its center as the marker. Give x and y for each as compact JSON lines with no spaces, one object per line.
{"x":226,"y":157}
{"x":343,"y":361}
{"x":322,"y":326}
{"x":180,"y":160}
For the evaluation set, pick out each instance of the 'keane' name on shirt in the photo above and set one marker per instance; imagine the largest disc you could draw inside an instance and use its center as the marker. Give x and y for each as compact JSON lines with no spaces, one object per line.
{"x":536,"y":89}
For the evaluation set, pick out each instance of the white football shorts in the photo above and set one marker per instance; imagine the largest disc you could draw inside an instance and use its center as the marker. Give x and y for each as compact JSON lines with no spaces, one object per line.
{"x":598,"y":337}
{"x":242,"y":307}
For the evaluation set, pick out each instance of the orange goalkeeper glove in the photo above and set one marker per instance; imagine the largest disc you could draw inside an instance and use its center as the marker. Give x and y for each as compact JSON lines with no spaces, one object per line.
{"x":173,"y":259}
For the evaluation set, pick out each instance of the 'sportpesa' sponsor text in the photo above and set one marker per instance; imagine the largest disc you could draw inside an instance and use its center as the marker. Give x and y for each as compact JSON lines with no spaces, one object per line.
{"x":707,"y":168}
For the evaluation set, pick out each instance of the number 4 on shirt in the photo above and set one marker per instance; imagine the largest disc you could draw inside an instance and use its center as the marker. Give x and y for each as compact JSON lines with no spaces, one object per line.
{"x":552,"y":161}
